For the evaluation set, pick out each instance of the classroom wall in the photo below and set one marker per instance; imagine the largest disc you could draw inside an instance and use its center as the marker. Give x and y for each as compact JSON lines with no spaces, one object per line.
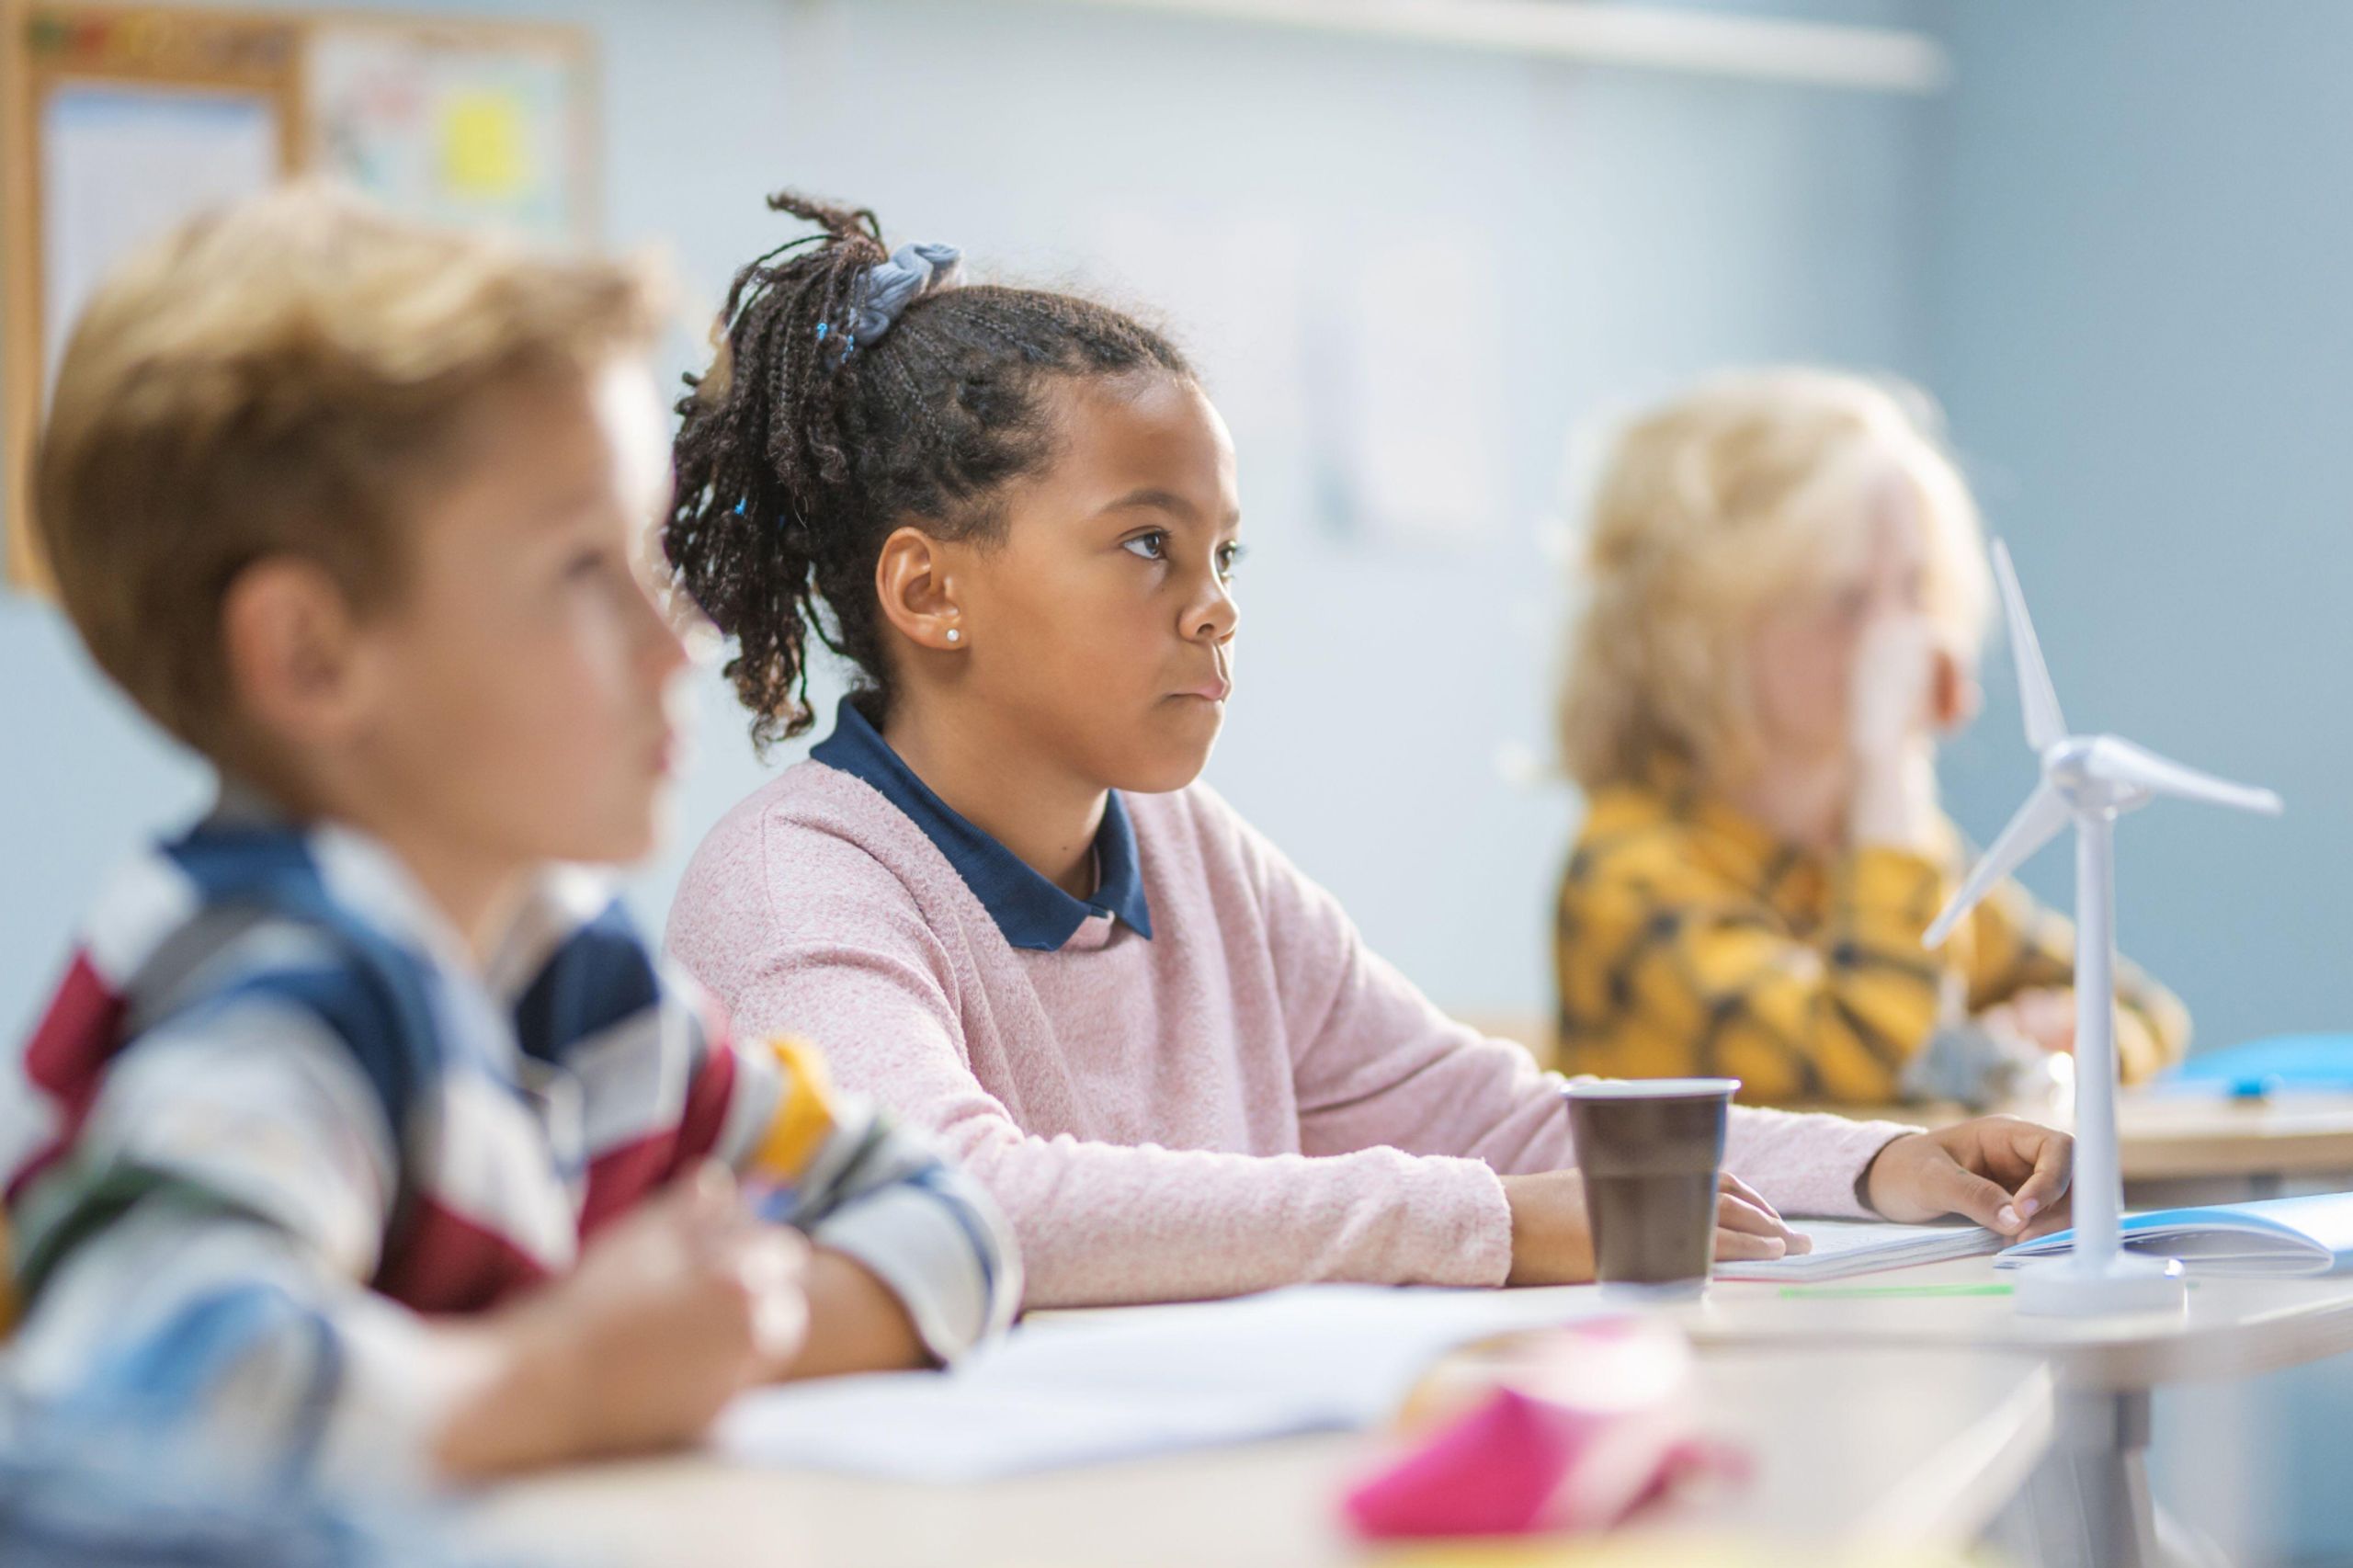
{"x":1623,"y":229}
{"x":2140,"y":323}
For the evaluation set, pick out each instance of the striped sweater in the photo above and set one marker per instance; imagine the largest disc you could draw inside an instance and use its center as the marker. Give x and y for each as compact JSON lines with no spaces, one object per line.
{"x":272,"y":1067}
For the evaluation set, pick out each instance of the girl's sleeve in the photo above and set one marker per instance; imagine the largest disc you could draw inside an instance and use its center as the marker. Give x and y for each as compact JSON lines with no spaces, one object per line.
{"x":1375,"y":1063}
{"x":200,"y":1257}
{"x":2018,"y":945}
{"x":1097,"y":1223}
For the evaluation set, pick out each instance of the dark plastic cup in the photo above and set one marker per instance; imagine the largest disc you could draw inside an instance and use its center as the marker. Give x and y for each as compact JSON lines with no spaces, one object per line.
{"x":1651,"y":1151}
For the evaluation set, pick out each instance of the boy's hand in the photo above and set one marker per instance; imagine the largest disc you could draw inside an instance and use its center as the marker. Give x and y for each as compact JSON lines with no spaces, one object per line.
{"x":672,"y":1312}
{"x":1895,"y":699}
{"x":2043,"y":1017}
{"x":856,"y":1323}
{"x":2007,"y":1174}
{"x":1551,"y":1236}
{"x":678,"y":1308}
{"x":1892,"y":697}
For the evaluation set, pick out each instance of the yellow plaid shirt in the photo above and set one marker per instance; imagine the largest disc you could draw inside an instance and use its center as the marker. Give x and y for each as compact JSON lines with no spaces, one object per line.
{"x":1692,"y":940}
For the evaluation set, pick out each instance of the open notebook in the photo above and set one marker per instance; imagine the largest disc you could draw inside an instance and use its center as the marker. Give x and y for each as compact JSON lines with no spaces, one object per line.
{"x":2275,"y":1235}
{"x":1141,"y":1381}
{"x":1842,"y":1247}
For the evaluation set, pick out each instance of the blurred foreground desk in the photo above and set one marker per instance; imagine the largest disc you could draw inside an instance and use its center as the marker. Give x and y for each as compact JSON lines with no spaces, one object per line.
{"x":1888,"y":1452}
{"x":2090,"y":1505}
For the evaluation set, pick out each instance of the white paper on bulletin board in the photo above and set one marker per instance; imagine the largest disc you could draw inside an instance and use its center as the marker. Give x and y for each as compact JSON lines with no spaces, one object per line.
{"x":454,"y":129}
{"x":121,"y":163}
{"x":1419,"y":412}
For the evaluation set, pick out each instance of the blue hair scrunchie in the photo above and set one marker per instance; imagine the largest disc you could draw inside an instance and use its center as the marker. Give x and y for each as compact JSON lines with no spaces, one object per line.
{"x":889,"y":286}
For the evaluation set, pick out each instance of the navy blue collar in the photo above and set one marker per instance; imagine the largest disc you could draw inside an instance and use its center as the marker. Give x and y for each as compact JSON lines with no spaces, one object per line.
{"x":1031,"y":912}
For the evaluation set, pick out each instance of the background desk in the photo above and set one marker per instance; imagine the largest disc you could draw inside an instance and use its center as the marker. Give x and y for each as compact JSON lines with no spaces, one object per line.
{"x":1920,"y":1449}
{"x":2179,"y":1148}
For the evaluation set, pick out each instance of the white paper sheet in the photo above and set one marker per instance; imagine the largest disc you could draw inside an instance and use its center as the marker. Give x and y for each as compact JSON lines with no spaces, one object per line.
{"x":1844,"y":1247}
{"x":121,"y":163}
{"x":1146,"y":1381}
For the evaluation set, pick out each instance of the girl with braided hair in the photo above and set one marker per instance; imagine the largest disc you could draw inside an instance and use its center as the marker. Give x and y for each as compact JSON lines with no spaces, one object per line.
{"x":997,"y":892}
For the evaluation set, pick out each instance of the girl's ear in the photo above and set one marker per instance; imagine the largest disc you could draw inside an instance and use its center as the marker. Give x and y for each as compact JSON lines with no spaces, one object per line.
{"x":918,"y":592}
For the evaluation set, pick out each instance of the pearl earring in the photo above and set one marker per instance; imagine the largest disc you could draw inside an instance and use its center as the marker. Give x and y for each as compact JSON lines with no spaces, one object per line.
{"x":954,"y":635}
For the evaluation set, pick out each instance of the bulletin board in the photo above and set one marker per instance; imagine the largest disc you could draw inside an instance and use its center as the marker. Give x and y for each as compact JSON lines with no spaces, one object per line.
{"x":122,"y":120}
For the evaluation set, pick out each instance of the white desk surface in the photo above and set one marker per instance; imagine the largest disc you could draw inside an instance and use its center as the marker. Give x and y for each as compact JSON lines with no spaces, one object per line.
{"x":2231,"y":1328}
{"x":1917,"y":1451}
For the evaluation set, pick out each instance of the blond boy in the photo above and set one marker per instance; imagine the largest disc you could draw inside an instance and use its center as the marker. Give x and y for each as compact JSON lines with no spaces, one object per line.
{"x":359,"y":1125}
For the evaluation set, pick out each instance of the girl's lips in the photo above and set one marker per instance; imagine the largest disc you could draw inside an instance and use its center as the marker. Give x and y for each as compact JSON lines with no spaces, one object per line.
{"x":1214,"y":690}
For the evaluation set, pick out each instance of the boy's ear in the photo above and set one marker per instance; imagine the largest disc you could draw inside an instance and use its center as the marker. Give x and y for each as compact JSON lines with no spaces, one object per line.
{"x":914,"y":581}
{"x":289,"y":647}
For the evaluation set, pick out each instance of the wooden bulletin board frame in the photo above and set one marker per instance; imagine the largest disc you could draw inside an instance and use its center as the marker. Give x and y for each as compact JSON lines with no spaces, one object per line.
{"x":254,"y":55}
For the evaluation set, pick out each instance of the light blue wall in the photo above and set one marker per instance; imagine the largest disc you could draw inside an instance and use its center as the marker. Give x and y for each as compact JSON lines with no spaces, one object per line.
{"x":1638,"y":228}
{"x":2140,"y":326}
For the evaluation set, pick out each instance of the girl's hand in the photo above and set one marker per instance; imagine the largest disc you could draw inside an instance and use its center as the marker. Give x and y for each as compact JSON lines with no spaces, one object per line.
{"x":1551,"y":1236}
{"x":2009,"y":1176}
{"x":1748,"y":1227}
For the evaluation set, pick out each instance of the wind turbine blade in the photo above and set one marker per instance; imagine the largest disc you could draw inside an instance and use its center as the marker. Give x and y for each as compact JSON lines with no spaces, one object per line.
{"x":2121,"y":762}
{"x":2044,"y":722}
{"x":2037,"y":822}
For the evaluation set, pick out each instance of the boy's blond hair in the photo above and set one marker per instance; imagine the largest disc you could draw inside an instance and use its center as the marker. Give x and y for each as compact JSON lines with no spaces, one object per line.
{"x":1714,"y":506}
{"x":286,"y":376}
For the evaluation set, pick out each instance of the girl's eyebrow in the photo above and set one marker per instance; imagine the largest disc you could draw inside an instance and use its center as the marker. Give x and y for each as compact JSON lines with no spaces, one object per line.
{"x":1160,"y":500}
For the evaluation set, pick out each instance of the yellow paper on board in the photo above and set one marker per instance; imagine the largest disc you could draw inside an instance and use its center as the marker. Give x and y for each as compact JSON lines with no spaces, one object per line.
{"x":483,"y":140}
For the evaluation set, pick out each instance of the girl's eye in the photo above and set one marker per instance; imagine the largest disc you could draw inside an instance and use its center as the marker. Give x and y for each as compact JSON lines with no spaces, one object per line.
{"x":1153,"y":546}
{"x":1229,"y":556}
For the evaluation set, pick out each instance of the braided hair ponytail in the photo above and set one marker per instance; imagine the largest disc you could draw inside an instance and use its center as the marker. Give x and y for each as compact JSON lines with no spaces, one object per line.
{"x":803,"y":447}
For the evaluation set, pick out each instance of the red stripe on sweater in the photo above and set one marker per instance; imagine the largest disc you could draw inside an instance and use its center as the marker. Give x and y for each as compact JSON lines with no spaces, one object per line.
{"x":706,"y":1110}
{"x":618,"y":1178}
{"x":447,"y":1263}
{"x":67,"y":1057}
{"x":69,"y":1050}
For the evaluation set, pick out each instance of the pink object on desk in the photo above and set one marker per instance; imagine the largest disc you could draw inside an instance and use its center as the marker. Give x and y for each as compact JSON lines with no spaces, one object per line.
{"x":1518,"y":1466}
{"x":1580,"y":1430}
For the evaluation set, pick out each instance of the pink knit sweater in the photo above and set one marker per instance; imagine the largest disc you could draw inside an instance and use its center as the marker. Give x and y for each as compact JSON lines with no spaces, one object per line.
{"x":1246,"y":1098}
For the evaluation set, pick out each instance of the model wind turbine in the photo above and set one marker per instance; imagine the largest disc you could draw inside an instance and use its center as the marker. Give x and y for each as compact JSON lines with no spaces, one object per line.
{"x":2092,"y":779}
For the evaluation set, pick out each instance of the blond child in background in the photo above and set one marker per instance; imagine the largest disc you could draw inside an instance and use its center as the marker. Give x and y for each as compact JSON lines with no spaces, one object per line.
{"x":1786,"y":591}
{"x":359,"y":1136}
